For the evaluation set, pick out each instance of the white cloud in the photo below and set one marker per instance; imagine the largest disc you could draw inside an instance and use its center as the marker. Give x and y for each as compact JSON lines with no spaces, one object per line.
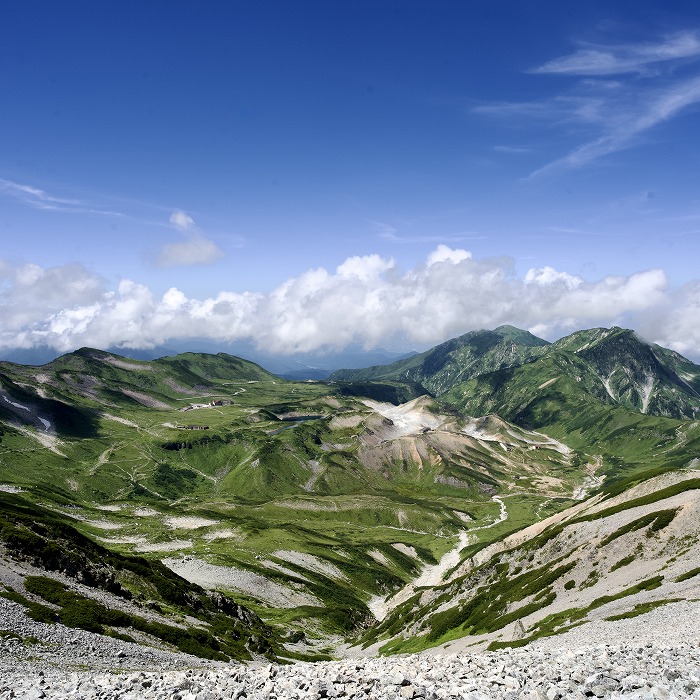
{"x":444,"y":253}
{"x":549,"y":276}
{"x":182,"y":221}
{"x":676,"y":323}
{"x":364,"y":267}
{"x":196,"y":250}
{"x":30,"y":293}
{"x":366,"y":300}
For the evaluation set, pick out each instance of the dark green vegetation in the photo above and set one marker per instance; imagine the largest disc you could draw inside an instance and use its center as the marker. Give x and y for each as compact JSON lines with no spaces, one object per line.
{"x":456,"y":361}
{"x":321,"y":496}
{"x":47,"y":540}
{"x":493,"y":371}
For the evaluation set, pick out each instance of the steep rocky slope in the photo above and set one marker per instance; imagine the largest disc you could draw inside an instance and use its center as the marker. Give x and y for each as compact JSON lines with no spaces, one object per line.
{"x":608,"y":558}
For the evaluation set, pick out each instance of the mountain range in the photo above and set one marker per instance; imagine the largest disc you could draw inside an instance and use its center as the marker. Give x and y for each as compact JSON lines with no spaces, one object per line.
{"x":440,"y":497}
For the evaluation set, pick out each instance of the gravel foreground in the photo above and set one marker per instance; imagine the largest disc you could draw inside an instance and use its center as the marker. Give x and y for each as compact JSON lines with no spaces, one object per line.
{"x":67,"y":663}
{"x":602,"y":672}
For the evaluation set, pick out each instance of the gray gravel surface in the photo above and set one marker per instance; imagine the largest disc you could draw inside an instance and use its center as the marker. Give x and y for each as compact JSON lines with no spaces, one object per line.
{"x":66,"y":663}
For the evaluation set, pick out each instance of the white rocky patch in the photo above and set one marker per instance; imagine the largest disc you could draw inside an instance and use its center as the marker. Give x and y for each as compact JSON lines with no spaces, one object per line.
{"x":408,"y":418}
{"x":104,"y":524}
{"x":378,"y":557}
{"x":145,"y":512}
{"x":127,"y":539}
{"x":645,"y":393}
{"x":380,"y":606}
{"x":229,"y":578}
{"x":463,"y":516}
{"x":51,"y":442}
{"x":311,"y":562}
{"x":224,"y":534}
{"x":172,"y":546}
{"x":188,"y":523}
{"x":405,"y":549}
{"x":118,"y":419}
{"x":283,"y":569}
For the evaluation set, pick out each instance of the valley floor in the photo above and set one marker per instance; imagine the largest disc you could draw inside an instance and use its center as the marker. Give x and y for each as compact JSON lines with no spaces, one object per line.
{"x":651,"y":656}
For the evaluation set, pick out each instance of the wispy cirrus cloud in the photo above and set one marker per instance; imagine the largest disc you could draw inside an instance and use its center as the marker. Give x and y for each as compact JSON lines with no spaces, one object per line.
{"x":196,"y":249}
{"x":40,"y":199}
{"x":628,"y":121}
{"x":511,"y":149}
{"x":653,"y":83}
{"x":624,"y":58}
{"x":390,"y":233}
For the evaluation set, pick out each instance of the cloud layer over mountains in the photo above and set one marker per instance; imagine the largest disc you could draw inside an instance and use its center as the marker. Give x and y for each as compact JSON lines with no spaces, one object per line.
{"x":366,"y":300}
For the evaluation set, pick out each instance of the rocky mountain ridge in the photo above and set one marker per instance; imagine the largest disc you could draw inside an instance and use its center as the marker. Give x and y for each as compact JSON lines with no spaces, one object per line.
{"x":613,"y":365}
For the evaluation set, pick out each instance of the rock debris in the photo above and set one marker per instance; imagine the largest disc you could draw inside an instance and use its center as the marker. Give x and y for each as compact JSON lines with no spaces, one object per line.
{"x":51,"y":661}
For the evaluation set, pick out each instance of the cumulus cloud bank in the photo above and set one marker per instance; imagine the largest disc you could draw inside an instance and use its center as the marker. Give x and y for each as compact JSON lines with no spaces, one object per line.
{"x":366,"y":300}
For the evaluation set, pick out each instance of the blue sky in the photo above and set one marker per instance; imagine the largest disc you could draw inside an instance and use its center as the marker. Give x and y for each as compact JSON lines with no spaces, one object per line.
{"x":307,"y":175}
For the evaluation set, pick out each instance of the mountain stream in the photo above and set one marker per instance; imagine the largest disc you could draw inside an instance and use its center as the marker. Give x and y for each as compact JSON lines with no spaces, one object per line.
{"x":381,"y":606}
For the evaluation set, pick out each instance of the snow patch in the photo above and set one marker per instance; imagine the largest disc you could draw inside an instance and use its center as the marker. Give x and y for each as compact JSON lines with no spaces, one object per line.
{"x":43,"y":421}
{"x":16,"y":405}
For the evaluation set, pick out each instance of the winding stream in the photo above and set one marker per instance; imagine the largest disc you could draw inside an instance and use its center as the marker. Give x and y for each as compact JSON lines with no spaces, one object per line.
{"x":381,"y":606}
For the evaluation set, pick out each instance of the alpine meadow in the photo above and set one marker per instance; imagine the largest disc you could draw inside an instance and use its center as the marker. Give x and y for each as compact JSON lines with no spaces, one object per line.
{"x":492,"y":490}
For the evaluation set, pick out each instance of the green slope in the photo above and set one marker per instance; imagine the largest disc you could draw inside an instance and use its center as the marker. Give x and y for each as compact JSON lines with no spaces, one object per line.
{"x":456,"y":360}
{"x":282,"y":479}
{"x":322,"y":496}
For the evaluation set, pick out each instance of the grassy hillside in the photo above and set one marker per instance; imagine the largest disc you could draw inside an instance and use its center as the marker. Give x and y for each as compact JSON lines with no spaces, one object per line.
{"x":287,"y":496}
{"x":144,"y":598}
{"x":313,"y":504}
